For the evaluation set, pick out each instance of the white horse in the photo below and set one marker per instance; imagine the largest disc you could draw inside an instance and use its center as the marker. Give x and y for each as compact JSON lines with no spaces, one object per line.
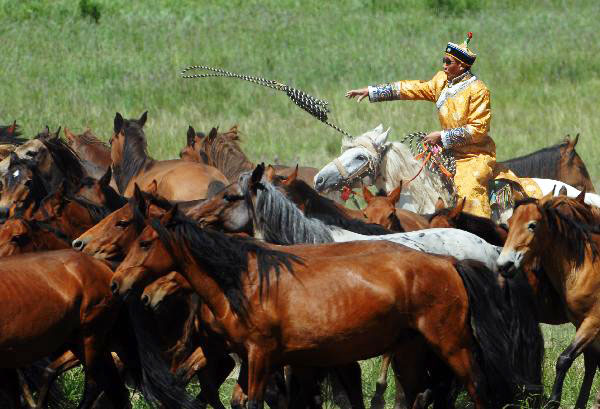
{"x":374,"y":161}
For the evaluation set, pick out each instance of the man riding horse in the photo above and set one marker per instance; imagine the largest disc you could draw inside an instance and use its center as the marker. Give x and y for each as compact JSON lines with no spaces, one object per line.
{"x":464,"y":111}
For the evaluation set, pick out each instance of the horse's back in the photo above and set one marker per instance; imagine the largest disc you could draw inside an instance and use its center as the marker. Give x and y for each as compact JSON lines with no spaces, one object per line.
{"x":178,"y":179}
{"x":45,"y":297}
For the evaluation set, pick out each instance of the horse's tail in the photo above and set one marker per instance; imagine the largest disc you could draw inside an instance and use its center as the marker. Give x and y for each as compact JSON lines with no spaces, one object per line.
{"x":509,"y":345}
{"x":158,"y":384}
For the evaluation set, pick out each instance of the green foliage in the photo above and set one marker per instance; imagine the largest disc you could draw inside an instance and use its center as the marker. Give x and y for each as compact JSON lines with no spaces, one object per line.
{"x":90,"y":9}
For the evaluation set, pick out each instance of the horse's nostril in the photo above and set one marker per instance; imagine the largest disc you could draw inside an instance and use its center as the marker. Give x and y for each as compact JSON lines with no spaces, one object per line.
{"x":114,"y":287}
{"x":77,"y":245}
{"x":145,"y":300}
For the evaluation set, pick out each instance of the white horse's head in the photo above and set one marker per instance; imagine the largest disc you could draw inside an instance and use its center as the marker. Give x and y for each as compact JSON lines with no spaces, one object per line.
{"x":359,"y":160}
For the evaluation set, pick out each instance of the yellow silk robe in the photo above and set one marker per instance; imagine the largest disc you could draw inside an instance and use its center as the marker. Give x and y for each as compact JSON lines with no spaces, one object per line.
{"x":464,"y":112}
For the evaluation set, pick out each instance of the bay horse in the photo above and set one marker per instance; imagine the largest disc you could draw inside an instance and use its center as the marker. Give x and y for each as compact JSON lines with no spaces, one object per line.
{"x":21,"y":185}
{"x":381,"y":209}
{"x":55,"y":301}
{"x":378,"y":293}
{"x":223,"y":151}
{"x":559,"y":162}
{"x":561,"y":235}
{"x":177,"y":179}
{"x":93,"y":152}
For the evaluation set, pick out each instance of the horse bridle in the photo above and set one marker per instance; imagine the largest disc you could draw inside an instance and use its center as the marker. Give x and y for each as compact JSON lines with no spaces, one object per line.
{"x":369,"y":168}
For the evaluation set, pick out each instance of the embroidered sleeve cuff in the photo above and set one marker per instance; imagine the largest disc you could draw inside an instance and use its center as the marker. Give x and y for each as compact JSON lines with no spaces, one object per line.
{"x":455,"y":137}
{"x":383,"y":92}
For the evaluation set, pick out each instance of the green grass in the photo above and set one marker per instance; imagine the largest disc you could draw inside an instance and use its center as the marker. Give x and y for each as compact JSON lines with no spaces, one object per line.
{"x":75,"y":63}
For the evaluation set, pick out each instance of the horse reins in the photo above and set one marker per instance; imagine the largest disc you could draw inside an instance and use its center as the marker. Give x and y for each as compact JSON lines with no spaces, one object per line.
{"x":431,"y":155}
{"x":318,"y":108}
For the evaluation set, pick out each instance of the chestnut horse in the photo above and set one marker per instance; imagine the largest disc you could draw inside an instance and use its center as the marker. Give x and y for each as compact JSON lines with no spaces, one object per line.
{"x":561,"y":235}
{"x":177,"y":179}
{"x":377,"y":294}
{"x":94,"y":153}
{"x":381,"y":209}
{"x":223,"y":151}
{"x":54,"y":301}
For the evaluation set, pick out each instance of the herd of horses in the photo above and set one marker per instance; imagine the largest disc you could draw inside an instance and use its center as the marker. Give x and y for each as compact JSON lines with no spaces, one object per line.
{"x":150,"y":274}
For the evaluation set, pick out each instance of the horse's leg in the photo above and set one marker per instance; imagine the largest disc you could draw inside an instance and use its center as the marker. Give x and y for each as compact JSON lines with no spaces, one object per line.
{"x":212,"y":377}
{"x":258,"y":375}
{"x":238,"y":395}
{"x":9,"y":387}
{"x":62,"y":364}
{"x":101,"y":374}
{"x":378,"y":399}
{"x":26,"y":390}
{"x":585,"y":334}
{"x":590,"y":359}
{"x":350,"y":377}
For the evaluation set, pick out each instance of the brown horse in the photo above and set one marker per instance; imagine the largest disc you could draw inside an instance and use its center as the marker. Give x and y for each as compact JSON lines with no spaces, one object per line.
{"x":223,"y":151}
{"x":9,"y":139}
{"x":455,"y":217}
{"x":21,"y":185}
{"x":271,"y":320}
{"x":94,"y":153}
{"x":381,"y":209}
{"x":177,"y":179}
{"x":560,"y":235}
{"x":55,"y":301}
{"x":558,"y":162}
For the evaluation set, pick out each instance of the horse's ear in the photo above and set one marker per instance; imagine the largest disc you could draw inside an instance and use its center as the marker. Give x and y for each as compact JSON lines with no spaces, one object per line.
{"x":118,"y":123}
{"x":68,"y":134}
{"x":28,"y":213}
{"x":380,"y":139}
{"x":13,"y":157}
{"x":257,"y":174}
{"x":139,"y":198}
{"x":395,"y":194}
{"x":292,"y":177}
{"x":576,"y":140}
{"x":581,"y":196}
{"x":143,"y":119}
{"x":212,"y":134}
{"x":168,"y":216}
{"x":562,"y":191}
{"x":454,"y":213}
{"x":191,"y":136}
{"x":439,"y":205}
{"x":234,"y":129}
{"x":152,"y":187}
{"x":105,"y":179}
{"x":367,"y":195}
{"x":270,"y":173}
{"x":57,"y":133}
{"x":11,"y":129}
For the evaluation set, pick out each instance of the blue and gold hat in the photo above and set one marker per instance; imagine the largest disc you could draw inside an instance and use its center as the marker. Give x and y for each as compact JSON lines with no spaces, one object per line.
{"x":461,"y":52}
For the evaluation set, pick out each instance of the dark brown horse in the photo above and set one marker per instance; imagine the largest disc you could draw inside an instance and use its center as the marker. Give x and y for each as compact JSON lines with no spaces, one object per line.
{"x":94,"y":153}
{"x":223,"y":151}
{"x":455,"y":217}
{"x":269,"y":317}
{"x":9,"y":139}
{"x":381,"y":209}
{"x":55,"y":301}
{"x":558,"y":162}
{"x":20,"y":186}
{"x":177,"y":179}
{"x":560,"y":236}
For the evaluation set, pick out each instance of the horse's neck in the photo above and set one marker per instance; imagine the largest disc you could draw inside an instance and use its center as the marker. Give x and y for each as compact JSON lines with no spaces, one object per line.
{"x":213,"y":296}
{"x":397,"y":165}
{"x":134,"y":159}
{"x":229,"y":159}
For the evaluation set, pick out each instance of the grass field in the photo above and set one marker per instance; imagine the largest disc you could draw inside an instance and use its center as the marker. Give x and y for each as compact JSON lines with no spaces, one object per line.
{"x":539,"y":58}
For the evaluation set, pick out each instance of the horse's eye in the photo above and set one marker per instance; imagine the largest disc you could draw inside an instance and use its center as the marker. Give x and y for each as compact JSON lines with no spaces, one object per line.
{"x":123,"y":223}
{"x":531,"y":226}
{"x":20,"y":240}
{"x":232,"y":198}
{"x":361,"y":157}
{"x":145,"y":244}
{"x":31,"y":154}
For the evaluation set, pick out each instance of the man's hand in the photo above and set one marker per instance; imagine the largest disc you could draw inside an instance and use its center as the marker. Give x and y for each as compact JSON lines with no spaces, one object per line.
{"x":360,"y":93}
{"x":434,"y":138}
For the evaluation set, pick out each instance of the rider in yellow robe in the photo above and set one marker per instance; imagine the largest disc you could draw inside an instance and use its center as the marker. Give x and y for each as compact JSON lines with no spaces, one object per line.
{"x":464,"y":111}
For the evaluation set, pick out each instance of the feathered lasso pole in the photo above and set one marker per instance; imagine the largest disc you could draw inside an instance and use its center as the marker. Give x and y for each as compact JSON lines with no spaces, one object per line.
{"x":316,"y":107}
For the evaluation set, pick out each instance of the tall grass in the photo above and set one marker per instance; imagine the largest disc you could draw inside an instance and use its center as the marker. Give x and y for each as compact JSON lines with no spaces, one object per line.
{"x":61,"y":66}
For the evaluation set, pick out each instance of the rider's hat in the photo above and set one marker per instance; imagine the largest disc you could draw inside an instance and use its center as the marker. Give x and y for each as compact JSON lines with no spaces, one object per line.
{"x":461,"y":52}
